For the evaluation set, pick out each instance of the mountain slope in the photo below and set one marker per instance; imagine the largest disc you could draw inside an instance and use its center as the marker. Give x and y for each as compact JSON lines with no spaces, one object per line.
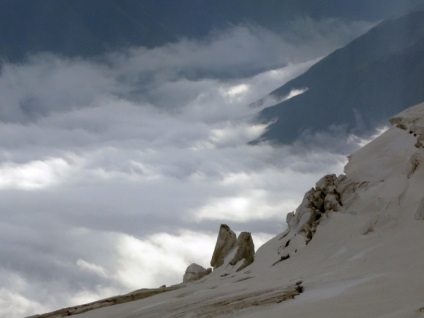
{"x":353,"y":247}
{"x":92,"y":27}
{"x":357,"y":87}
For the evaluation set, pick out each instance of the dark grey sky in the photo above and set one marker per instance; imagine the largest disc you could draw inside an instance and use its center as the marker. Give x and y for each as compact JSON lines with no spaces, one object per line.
{"x":116,"y":173}
{"x":91,"y":27}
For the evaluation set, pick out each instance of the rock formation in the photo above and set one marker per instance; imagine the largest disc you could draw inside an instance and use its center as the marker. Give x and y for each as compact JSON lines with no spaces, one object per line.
{"x":195,"y":272}
{"x":240,"y":251}
{"x":224,"y":244}
{"x":318,"y":201}
{"x":317,"y":204}
{"x":245,"y":250}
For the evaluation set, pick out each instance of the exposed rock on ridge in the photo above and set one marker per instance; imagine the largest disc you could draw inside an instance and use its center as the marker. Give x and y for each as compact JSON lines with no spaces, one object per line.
{"x":224,"y":244}
{"x":241,"y":249}
{"x":317,"y":202}
{"x":195,"y":272}
{"x":245,"y":250}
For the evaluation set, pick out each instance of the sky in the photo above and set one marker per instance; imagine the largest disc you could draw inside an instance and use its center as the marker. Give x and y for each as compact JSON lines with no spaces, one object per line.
{"x":116,"y":172}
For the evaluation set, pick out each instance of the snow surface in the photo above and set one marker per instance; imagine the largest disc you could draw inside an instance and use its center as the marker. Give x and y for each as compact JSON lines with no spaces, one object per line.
{"x":365,"y":260}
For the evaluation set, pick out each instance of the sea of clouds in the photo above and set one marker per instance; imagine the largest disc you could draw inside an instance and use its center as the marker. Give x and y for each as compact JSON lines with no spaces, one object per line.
{"x":116,"y":172}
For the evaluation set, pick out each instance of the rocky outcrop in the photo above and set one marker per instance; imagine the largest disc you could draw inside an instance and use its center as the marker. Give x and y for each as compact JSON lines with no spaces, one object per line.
{"x":245,"y":251}
{"x":240,"y":251}
{"x":195,"y":272}
{"x":224,"y":244}
{"x":318,"y":201}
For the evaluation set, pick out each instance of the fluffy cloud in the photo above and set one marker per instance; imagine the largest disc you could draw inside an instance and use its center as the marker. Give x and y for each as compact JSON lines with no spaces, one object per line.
{"x":116,"y":172}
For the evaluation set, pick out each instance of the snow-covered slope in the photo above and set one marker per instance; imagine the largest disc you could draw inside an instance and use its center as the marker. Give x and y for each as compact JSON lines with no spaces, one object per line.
{"x":354,"y":247}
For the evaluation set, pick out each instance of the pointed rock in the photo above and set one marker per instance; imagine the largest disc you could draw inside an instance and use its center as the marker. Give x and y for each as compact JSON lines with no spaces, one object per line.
{"x":245,"y":250}
{"x":224,"y":244}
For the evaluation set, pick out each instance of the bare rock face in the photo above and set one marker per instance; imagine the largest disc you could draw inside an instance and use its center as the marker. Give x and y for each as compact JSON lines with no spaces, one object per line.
{"x":224,"y":244}
{"x":318,"y":201}
{"x":330,"y":195}
{"x":245,"y":250}
{"x":195,"y":272}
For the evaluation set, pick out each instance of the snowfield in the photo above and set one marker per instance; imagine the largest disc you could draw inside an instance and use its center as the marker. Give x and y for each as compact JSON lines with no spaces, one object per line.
{"x":354,"y":248}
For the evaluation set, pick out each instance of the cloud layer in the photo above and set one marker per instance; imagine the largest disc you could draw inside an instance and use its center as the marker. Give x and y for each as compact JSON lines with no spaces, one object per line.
{"x":115,"y":173}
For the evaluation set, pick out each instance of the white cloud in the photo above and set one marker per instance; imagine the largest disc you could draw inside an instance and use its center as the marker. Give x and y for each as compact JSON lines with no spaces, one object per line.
{"x":36,"y":174}
{"x":365,"y":140}
{"x":14,"y":304}
{"x":98,"y":270}
{"x":248,"y":206}
{"x":161,"y":258}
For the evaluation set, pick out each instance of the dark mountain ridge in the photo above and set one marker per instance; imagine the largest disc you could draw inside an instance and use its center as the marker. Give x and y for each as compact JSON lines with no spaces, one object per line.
{"x":356,"y":87}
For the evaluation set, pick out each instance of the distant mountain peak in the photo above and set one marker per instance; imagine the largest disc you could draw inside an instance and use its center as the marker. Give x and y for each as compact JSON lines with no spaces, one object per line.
{"x":356,"y":88}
